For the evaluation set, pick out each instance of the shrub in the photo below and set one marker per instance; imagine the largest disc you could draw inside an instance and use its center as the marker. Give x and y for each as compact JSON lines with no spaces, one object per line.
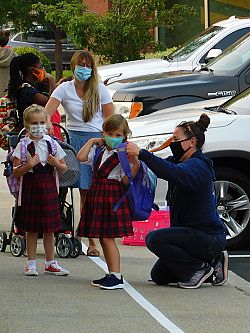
{"x":45,"y":61}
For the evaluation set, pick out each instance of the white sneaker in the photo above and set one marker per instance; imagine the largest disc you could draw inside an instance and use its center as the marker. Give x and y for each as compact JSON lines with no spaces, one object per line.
{"x":31,"y":270}
{"x":55,"y":269}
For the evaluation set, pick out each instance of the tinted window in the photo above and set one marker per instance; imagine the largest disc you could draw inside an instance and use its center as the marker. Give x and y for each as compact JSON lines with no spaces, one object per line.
{"x":228,"y":40}
{"x":233,"y":59}
{"x":188,"y":48}
{"x":40,"y":37}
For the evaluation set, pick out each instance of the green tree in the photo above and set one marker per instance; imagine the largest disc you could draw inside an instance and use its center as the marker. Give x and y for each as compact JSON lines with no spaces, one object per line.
{"x":125,"y":31}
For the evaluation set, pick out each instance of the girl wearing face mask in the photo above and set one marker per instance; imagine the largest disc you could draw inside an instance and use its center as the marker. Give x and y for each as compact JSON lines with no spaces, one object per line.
{"x":28,"y":80}
{"x":192,"y":250}
{"x":39,"y":211}
{"x":98,"y":218}
{"x":87,"y":104}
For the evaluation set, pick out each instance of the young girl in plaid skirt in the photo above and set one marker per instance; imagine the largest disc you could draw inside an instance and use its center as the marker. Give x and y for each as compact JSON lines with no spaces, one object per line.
{"x":108,"y":185}
{"x":39,"y":211}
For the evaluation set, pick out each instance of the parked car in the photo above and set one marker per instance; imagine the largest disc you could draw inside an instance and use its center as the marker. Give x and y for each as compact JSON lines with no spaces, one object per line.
{"x":226,"y":75}
{"x":195,"y":52}
{"x":227,"y":144}
{"x":44,"y":41}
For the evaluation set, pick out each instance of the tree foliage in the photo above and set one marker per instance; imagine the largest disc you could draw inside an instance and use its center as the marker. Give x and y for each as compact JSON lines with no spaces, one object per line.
{"x":125,"y":31}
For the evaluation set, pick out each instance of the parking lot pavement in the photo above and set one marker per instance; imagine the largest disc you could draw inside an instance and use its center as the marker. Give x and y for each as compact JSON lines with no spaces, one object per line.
{"x":54,"y":304}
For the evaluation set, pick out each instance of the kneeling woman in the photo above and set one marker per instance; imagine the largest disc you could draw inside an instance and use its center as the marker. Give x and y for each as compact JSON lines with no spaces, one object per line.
{"x":192,"y":250}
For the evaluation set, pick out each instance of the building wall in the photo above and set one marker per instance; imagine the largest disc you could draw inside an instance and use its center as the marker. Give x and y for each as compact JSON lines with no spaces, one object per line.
{"x":98,"y":6}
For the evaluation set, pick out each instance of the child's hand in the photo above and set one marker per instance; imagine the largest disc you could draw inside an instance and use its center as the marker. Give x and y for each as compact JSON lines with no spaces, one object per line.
{"x":52,"y":160}
{"x":98,"y":141}
{"x":34,"y":160}
{"x":132,"y":149}
{"x":133,"y":159}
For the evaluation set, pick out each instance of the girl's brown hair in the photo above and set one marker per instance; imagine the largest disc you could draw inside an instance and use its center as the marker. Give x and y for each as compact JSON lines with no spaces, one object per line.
{"x":29,"y":111}
{"x":116,"y":122}
{"x":91,"y":93}
{"x":196,"y":129}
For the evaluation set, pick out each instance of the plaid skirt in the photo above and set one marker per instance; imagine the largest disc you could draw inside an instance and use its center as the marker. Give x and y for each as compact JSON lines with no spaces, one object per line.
{"x":98,"y":219}
{"x":39,"y":210}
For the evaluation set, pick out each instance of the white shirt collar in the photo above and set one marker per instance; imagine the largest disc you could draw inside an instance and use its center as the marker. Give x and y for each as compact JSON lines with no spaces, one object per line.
{"x":44,"y":138}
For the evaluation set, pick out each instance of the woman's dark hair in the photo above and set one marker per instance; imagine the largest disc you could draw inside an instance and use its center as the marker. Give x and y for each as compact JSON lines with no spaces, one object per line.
{"x":19,"y":67}
{"x":4,"y":37}
{"x":196,"y":129}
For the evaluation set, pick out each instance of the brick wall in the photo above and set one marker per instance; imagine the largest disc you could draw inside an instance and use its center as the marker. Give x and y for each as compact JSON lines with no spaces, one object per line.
{"x":98,"y":6}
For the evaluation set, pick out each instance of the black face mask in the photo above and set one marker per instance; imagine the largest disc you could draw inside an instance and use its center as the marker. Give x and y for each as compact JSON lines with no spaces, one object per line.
{"x":177,"y":149}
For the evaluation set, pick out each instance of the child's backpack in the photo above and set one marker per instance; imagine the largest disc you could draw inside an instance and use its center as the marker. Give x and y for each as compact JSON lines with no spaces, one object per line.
{"x":14,"y":183}
{"x":141,"y":191}
{"x":8,"y":119}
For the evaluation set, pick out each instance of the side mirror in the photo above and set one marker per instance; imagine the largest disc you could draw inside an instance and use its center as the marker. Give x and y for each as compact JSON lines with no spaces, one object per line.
{"x":213,"y":53}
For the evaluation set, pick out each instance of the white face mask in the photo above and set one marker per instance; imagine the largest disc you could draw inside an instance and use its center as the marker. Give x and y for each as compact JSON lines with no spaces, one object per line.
{"x":38,"y":130}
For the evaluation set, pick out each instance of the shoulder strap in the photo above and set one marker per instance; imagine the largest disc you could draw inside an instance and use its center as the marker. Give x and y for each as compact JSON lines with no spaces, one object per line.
{"x":98,"y":152}
{"x":53,"y":146}
{"x":23,"y":149}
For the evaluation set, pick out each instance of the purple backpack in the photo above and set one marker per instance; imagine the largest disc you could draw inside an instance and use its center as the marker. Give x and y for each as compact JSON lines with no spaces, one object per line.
{"x":141,"y":191}
{"x":14,"y":182}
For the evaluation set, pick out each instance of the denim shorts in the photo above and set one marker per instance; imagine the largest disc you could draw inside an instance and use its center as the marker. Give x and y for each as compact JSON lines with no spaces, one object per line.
{"x":77,"y":140}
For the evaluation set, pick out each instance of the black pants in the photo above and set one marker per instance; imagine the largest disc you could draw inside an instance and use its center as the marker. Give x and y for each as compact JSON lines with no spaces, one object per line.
{"x":181,"y":252}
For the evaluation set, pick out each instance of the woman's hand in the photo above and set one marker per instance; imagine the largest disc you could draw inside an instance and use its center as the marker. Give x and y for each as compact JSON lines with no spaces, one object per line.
{"x":132,"y":149}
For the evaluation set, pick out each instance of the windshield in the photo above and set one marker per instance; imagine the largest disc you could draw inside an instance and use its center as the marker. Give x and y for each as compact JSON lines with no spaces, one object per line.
{"x":233,"y":58}
{"x":239,"y":104}
{"x":188,"y":48}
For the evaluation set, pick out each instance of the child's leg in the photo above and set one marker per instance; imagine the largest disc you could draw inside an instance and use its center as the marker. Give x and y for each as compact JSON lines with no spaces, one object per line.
{"x":48,"y":243}
{"x":111,"y":254}
{"x":51,"y":265}
{"x":31,"y":243}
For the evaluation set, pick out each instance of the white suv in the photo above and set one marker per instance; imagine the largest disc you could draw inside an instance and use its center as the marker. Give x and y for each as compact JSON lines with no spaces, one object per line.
{"x":227,"y":144}
{"x":207,"y":44}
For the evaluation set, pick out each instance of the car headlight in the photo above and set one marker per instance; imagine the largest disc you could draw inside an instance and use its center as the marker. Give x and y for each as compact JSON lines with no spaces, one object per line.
{"x":150,"y":142}
{"x":128,"y":110}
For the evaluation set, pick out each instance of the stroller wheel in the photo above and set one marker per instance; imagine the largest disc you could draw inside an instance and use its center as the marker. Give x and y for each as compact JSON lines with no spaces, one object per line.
{"x":77,"y":246}
{"x":64,"y":247}
{"x":17,"y":246}
{"x":3,"y":241}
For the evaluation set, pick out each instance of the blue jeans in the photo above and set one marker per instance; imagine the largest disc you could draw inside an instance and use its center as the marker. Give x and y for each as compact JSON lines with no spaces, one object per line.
{"x":181,"y":252}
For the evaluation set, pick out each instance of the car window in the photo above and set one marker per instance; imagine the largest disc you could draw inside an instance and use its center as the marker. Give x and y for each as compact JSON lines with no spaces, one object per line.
{"x":227,"y":41}
{"x":232,"y":59}
{"x":240,"y":103}
{"x":40,"y":37}
{"x":188,"y":48}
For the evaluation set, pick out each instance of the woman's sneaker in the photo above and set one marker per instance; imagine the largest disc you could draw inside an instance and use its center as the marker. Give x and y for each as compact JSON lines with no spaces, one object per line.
{"x":221,"y":270}
{"x":112,"y":282}
{"x":55,"y":269}
{"x":97,"y":283}
{"x":31,"y":270}
{"x":198,"y":277}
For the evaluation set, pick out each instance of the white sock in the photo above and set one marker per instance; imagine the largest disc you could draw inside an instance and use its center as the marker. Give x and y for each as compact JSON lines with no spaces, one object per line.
{"x":48,"y":263}
{"x":32,"y":263}
{"x":118,"y":275}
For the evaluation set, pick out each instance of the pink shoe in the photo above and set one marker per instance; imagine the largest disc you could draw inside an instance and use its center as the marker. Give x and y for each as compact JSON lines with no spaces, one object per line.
{"x":55,"y":269}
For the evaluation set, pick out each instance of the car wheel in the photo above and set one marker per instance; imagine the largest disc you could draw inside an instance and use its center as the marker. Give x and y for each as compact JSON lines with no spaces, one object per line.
{"x":233,"y":205}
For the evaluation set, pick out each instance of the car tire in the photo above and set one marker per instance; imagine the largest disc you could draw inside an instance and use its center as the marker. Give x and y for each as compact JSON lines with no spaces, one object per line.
{"x":233,"y":205}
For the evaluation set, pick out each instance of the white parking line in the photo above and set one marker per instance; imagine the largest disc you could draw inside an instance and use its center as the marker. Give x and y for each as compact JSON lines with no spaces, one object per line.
{"x":239,"y":256}
{"x":146,"y":305}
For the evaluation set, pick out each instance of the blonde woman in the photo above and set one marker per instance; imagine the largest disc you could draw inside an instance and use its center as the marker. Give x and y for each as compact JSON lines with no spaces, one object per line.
{"x":87,"y":104}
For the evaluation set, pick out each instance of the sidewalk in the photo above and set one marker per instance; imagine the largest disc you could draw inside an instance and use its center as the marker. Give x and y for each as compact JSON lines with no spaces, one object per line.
{"x":55,"y":304}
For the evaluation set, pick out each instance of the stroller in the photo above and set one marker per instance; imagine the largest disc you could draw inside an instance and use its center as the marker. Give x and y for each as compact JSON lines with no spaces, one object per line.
{"x":67,"y":245}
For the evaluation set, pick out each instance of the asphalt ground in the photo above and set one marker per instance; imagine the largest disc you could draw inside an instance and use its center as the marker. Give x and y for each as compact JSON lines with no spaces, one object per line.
{"x":54,"y":304}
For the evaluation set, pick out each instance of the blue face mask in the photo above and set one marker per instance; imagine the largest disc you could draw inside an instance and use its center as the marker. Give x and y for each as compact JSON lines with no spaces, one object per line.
{"x":82,"y":73}
{"x":113,"y":142}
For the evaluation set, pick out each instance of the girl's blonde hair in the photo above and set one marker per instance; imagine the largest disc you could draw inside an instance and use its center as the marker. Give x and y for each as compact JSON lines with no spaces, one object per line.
{"x":91,"y":93}
{"x":29,"y":111}
{"x":116,"y":122}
